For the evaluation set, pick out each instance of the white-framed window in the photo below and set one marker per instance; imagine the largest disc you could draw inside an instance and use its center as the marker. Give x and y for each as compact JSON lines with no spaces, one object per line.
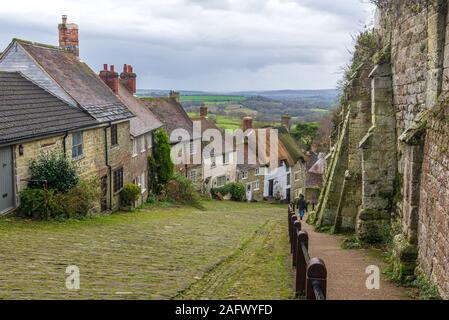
{"x":257,"y":171}
{"x":297,"y":175}
{"x":244,"y":175}
{"x":143,"y":182}
{"x":142,"y":144}
{"x":226,"y":158}
{"x":134,"y":147}
{"x":289,"y":179}
{"x":213,"y":162}
{"x":77,"y":145}
{"x":192,"y":176}
{"x":256,"y":185}
{"x":192,"y":148}
{"x":221,"y":181}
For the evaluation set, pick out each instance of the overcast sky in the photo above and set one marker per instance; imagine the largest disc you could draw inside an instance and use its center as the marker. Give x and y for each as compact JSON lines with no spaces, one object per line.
{"x":217,"y":45}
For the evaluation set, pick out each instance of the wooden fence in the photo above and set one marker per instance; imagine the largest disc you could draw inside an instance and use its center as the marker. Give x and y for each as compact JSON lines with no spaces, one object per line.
{"x":311,"y":273}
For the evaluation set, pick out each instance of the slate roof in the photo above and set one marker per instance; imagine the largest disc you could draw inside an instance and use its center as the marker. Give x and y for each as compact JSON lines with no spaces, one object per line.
{"x":79,"y":81}
{"x":28,"y":111}
{"x":144,"y":121}
{"x":171,"y":114}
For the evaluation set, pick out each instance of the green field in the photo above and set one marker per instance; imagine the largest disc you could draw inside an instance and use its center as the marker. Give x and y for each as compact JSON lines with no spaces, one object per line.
{"x":213,"y":99}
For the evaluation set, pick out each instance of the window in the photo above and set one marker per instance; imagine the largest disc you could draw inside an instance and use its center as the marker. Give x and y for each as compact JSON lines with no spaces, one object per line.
{"x":134,"y":147}
{"x":192,"y":148}
{"x":77,"y":145}
{"x":257,"y":171}
{"x":213,"y":162}
{"x":192,"y":176}
{"x":114,"y":135}
{"x":221,"y":181}
{"x":143,"y":182}
{"x":118,"y":180}
{"x":256,"y":185}
{"x":244,"y":175}
{"x":289,"y":178}
{"x":142,"y":144}
{"x":297,"y":176}
{"x":226,"y":158}
{"x":149,"y":141}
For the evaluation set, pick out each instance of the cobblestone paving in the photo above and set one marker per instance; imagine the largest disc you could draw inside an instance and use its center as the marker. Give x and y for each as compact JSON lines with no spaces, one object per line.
{"x":150,"y":254}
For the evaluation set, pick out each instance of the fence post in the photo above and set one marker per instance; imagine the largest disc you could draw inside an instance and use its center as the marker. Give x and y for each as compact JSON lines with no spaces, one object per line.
{"x":290,"y":214}
{"x":316,"y":280}
{"x":301,"y":262}
{"x":292,"y":235}
{"x":297,"y":227}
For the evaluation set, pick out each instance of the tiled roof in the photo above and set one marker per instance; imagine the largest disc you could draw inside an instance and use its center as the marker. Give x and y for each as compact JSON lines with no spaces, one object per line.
{"x":79,"y":81}
{"x":28,"y":111}
{"x":171,"y":114}
{"x":145,"y":121}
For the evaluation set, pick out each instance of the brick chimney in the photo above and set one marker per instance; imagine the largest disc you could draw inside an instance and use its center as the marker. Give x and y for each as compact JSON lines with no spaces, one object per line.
{"x":286,"y":121}
{"x":68,"y":36}
{"x":203,"y":110}
{"x":175,"y":95}
{"x":128,"y":78}
{"x":110,"y":77}
{"x":247,"y":123}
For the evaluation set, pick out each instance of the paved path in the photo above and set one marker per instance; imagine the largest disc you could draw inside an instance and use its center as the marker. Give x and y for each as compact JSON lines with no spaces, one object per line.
{"x":346,"y":270}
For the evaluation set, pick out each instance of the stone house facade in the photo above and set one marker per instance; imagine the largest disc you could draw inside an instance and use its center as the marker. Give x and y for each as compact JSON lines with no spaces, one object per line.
{"x":105,"y":147}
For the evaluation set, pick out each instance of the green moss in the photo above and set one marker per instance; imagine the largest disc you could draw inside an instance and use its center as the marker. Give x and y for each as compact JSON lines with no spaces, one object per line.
{"x":351,"y":243}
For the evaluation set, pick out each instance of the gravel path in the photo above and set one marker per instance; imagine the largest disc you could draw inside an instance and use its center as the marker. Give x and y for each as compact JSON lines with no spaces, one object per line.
{"x":346,"y":270}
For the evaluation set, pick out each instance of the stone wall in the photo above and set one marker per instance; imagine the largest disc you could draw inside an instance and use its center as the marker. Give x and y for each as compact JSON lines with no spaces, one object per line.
{"x":404,"y":186}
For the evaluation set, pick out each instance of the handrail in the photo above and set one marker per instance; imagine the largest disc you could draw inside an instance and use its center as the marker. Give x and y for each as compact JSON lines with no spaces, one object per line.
{"x":311,"y":273}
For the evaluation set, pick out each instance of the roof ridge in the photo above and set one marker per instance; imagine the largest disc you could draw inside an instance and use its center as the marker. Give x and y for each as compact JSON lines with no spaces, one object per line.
{"x":48,"y":46}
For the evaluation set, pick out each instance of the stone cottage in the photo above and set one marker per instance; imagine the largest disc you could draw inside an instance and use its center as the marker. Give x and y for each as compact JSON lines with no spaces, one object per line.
{"x":142,"y":126}
{"x":219,"y":166}
{"x":102,"y":150}
{"x":185,"y":147}
{"x":33,"y":120}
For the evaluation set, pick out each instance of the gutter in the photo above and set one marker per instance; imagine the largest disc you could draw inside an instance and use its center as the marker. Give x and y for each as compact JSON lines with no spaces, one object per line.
{"x":105,"y":130}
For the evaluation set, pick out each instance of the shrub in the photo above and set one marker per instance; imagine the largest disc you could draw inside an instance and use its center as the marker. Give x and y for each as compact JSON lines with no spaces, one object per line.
{"x":181,"y":190}
{"x":40,"y":204}
{"x":238,"y":192}
{"x":129,"y":194}
{"x":83,"y":198}
{"x":53,"y":167}
{"x":160,"y":163}
{"x":48,"y":205}
{"x":235,"y":190}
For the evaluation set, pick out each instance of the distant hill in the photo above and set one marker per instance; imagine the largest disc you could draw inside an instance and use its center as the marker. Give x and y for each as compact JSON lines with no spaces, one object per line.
{"x":302,"y":105}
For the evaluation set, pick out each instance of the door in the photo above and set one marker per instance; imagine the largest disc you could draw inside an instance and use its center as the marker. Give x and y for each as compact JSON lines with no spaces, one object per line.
{"x":271,"y":188}
{"x":249,"y":192}
{"x":6,"y":180}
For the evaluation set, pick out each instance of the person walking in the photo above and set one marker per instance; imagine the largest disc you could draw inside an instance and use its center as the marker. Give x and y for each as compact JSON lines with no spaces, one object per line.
{"x":302,"y":206}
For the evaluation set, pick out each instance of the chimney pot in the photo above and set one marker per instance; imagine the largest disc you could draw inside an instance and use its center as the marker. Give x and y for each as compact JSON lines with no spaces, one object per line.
{"x":112,"y":68}
{"x":105,"y":67}
{"x":247,"y":123}
{"x":68,"y":36}
{"x":130,"y":69}
{"x":203,"y":110}
{"x":125,"y":68}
